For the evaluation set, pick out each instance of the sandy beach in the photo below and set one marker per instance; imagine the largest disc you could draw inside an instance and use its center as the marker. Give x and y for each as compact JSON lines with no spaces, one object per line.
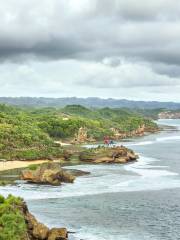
{"x":18,"y":164}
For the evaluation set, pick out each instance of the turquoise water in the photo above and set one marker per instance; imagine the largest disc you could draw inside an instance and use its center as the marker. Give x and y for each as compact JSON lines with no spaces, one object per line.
{"x":138,"y":201}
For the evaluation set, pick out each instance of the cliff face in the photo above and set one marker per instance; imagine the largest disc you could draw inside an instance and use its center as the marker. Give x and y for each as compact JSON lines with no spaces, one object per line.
{"x":38,"y":231}
{"x":16,"y":222}
{"x":120,"y":134}
{"x":140,"y":131}
{"x":82,"y":135}
{"x":169,"y":115}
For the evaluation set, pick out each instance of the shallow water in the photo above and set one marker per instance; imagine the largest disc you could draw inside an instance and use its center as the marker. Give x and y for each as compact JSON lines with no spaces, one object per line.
{"x":138,"y":201}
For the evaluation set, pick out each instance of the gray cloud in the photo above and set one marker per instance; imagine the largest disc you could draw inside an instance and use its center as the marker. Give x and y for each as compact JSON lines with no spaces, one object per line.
{"x":95,"y":44}
{"x":91,"y":29}
{"x":127,"y":75}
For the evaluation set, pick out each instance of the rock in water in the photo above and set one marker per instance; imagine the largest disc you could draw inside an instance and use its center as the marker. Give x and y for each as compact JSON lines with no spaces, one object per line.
{"x":36,"y":229}
{"x":57,"y":233}
{"x":47,"y":173}
{"x":41,"y":232}
{"x":108,"y":155}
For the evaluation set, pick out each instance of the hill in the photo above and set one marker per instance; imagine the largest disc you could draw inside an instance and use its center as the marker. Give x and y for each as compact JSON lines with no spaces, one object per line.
{"x":30,"y":133}
{"x":88,"y":102}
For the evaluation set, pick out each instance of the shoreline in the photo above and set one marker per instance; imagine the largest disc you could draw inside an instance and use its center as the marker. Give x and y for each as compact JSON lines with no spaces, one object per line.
{"x":17,"y":164}
{"x":9,"y":165}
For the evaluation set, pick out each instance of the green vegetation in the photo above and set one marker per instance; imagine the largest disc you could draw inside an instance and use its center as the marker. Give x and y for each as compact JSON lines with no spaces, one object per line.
{"x":22,"y":138}
{"x":106,"y":118}
{"x":33,"y":167}
{"x":150,"y":113}
{"x":12,"y":223}
{"x":5,"y":182}
{"x":30,"y":133}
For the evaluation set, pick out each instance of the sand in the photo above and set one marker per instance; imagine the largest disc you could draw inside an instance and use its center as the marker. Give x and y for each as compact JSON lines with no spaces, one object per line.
{"x":63,"y":143}
{"x":18,"y":164}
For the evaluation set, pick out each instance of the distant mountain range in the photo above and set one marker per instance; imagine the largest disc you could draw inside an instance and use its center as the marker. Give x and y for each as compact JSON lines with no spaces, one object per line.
{"x":87,"y":102}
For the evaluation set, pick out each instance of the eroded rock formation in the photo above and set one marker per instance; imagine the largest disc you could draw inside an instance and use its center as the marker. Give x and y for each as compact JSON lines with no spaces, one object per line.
{"x":140,"y":131}
{"x":169,"y":115}
{"x":37,"y":230}
{"x":48,"y":173}
{"x":108,"y":155}
{"x":82,"y":136}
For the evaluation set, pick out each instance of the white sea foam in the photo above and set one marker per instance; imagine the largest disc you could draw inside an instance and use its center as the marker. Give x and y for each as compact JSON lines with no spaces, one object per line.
{"x":170,"y":138}
{"x":144,"y":169}
{"x":139,"y":176}
{"x":138,"y":143}
{"x":102,"y":234}
{"x":170,"y":122}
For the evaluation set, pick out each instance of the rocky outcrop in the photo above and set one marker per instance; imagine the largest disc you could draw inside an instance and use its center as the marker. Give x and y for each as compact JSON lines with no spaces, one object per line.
{"x":108,"y":155}
{"x":169,"y":115}
{"x":37,"y":230}
{"x":47,"y":173}
{"x":57,"y":233}
{"x":82,"y":136}
{"x":140,"y":131}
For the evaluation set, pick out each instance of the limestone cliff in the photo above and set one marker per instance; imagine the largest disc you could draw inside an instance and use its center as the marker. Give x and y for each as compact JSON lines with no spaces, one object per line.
{"x":169,"y":115}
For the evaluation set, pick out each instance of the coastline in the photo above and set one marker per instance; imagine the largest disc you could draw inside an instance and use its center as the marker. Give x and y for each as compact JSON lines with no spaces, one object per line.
{"x":9,"y":165}
{"x":62,"y":218}
{"x":17,"y":164}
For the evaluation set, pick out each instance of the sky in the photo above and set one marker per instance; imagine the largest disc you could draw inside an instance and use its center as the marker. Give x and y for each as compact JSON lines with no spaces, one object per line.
{"x":90,"y":48}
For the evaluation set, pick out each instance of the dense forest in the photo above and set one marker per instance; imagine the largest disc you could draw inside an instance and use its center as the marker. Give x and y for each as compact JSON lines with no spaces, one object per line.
{"x":30,"y":133}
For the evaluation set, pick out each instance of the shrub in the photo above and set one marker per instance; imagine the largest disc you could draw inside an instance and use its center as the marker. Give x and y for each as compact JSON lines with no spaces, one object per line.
{"x":33,"y":167}
{"x":12,"y":223}
{"x":2,"y":199}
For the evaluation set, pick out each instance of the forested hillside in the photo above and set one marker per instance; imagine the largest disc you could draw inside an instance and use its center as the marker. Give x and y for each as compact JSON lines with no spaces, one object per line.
{"x":88,"y":102}
{"x":29,"y":133}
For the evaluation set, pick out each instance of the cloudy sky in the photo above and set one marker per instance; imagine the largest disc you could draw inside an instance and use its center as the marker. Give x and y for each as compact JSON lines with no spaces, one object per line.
{"x":102,"y":48}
